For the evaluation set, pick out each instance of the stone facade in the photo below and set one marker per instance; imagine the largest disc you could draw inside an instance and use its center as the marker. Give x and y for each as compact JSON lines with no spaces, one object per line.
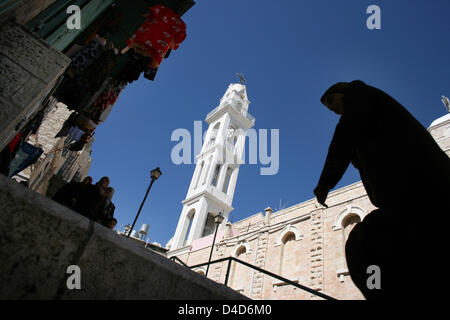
{"x":56,"y":166}
{"x":29,"y":69}
{"x":304,"y":243}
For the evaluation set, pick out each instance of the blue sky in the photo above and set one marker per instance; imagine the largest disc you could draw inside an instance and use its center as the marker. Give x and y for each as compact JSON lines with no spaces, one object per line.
{"x":290,"y":52}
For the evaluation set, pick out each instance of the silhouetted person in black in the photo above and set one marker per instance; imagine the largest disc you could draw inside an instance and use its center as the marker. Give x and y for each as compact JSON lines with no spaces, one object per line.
{"x":66,"y":195}
{"x":406,"y":175}
{"x":90,"y":201}
{"x":69,"y":194}
{"x":106,"y":215}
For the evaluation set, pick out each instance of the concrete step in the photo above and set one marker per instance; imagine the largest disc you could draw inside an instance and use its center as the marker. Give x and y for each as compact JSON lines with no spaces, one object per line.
{"x":40,"y":239}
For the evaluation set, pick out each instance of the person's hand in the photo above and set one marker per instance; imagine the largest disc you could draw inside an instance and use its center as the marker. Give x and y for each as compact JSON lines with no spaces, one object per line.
{"x":321,"y":194}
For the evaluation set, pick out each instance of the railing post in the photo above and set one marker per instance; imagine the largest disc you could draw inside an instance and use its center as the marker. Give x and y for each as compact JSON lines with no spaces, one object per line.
{"x":228,"y":272}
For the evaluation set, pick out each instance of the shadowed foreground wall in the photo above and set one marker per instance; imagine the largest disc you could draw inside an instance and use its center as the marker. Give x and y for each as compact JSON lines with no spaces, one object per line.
{"x":39,"y":239}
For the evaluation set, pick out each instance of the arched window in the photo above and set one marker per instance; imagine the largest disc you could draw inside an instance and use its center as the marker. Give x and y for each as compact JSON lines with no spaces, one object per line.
{"x":348,"y":223}
{"x":210,"y":226}
{"x":232,"y":137}
{"x":188,"y":224}
{"x":214,"y":133}
{"x":348,"y":211}
{"x":240,"y":275}
{"x":239,"y":106}
{"x":226,"y":183}
{"x":207,"y":171}
{"x":288,"y":255}
{"x":215,"y":178}
{"x":200,"y":171}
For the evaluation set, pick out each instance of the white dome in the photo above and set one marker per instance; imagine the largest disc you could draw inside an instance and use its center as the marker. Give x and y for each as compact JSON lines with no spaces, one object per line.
{"x":440,"y":120}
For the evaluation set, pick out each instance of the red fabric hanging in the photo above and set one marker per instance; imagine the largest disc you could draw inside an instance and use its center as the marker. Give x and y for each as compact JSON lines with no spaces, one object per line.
{"x":107,"y":98}
{"x":162,"y":30}
{"x":13,"y":143}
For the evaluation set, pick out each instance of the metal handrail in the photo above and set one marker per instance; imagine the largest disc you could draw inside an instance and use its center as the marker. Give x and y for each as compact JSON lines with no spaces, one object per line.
{"x":174,"y":258}
{"x":230,"y":259}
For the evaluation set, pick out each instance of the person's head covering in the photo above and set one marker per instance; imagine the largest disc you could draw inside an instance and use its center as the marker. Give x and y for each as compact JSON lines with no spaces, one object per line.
{"x":88,"y":180}
{"x":109,"y":194}
{"x":340,"y":87}
{"x":103,"y":179}
{"x":335,"y":88}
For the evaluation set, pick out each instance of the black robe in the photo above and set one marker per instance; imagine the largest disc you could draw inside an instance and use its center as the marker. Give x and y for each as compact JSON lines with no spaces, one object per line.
{"x":407,"y":176}
{"x":400,"y":164}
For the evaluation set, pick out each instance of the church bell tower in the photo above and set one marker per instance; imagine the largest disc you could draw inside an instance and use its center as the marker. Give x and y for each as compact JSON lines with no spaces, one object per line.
{"x":213,"y":183}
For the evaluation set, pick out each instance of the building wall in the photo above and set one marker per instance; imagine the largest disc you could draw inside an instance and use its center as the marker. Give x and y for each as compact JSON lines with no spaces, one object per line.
{"x":300,"y":259}
{"x":52,"y":159}
{"x":29,"y":69}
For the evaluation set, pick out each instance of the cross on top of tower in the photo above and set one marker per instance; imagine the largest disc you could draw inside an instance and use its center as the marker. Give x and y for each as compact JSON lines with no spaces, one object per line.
{"x":241,"y":78}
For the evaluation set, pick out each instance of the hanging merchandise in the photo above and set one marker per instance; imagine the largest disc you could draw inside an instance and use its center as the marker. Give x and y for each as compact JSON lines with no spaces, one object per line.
{"x":105,"y":114}
{"x":87,"y":55}
{"x":106,"y":100}
{"x":110,"y":95}
{"x":75,"y":125}
{"x":85,"y":123}
{"x":162,"y":30}
{"x":15,"y":142}
{"x":78,"y":145}
{"x":134,"y":66}
{"x":8,"y":153}
{"x":69,"y":123}
{"x":90,"y":67}
{"x":75,"y":133}
{"x":150,"y":73}
{"x":33,"y":125}
{"x":104,"y":24}
{"x":25,"y":157}
{"x":71,"y":91}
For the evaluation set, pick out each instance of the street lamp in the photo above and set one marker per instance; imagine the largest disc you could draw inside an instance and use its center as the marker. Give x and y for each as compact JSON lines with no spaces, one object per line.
{"x":154,"y":175}
{"x":217,"y":220}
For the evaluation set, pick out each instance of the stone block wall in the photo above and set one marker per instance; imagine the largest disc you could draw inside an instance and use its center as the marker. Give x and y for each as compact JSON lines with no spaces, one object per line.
{"x":39,"y":239}
{"x":314,"y":256}
{"x":29,"y":69}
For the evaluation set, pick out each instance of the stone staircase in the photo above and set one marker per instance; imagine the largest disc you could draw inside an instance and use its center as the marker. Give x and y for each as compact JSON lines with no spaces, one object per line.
{"x":40,"y":239}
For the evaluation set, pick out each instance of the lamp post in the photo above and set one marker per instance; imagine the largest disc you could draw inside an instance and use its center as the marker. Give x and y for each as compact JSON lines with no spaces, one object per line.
{"x":154,"y":175}
{"x":217,"y":220}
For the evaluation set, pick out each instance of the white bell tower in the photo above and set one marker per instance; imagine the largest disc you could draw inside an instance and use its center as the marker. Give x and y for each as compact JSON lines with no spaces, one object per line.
{"x":214,"y":180}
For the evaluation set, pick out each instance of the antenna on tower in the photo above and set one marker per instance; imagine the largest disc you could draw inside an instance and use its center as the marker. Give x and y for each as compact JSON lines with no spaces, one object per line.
{"x":446,"y":103}
{"x":241,"y":78}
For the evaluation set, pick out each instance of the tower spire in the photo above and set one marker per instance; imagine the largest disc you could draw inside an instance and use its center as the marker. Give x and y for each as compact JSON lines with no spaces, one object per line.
{"x":214,"y":180}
